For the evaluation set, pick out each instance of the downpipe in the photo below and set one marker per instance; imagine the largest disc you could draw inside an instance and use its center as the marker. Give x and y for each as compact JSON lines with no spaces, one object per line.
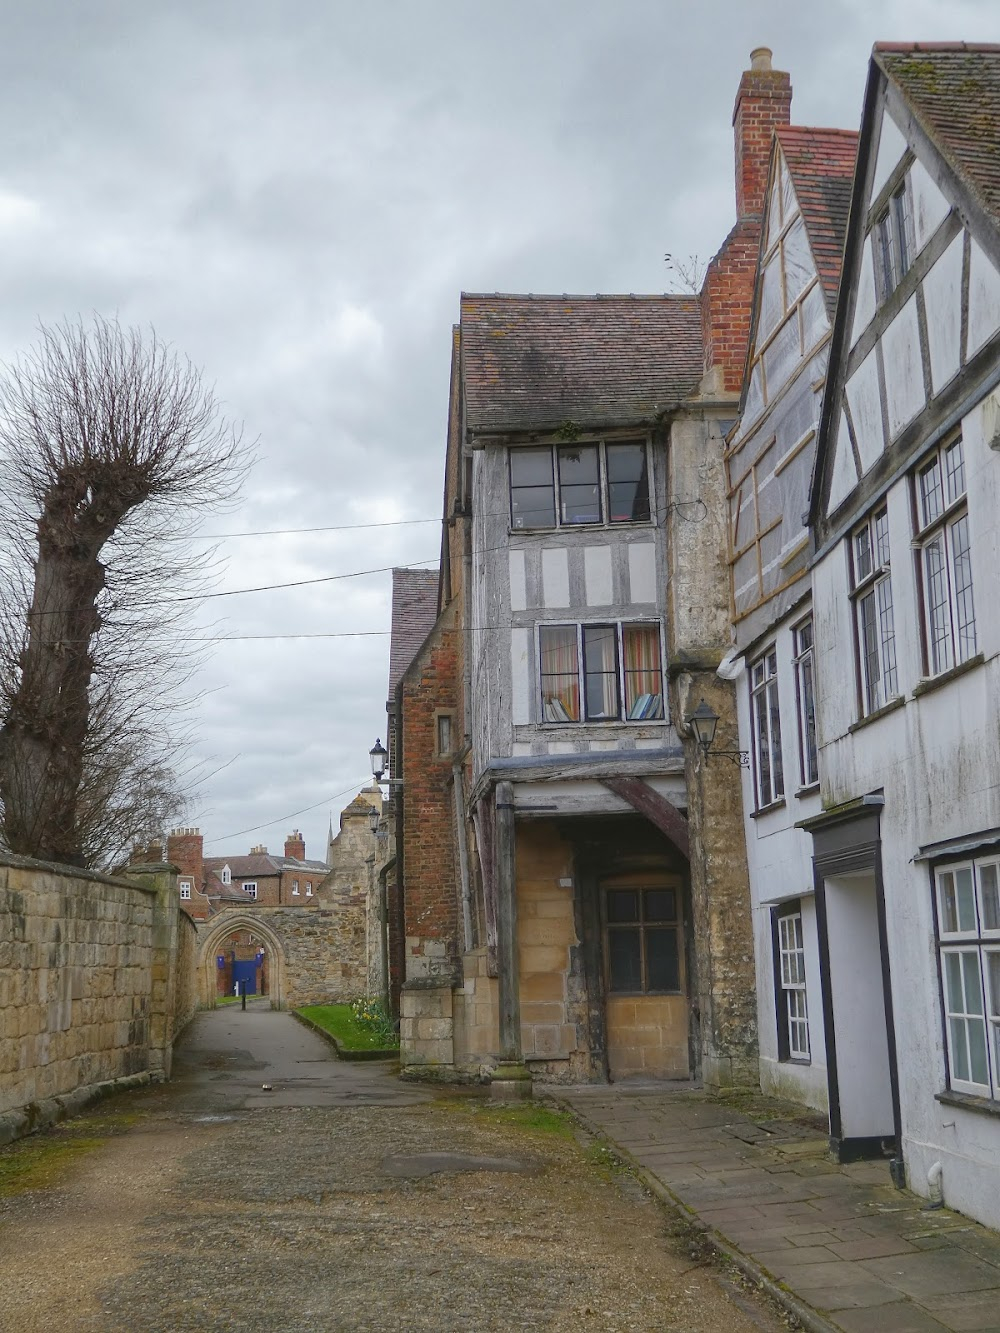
{"x":935,"y":1188}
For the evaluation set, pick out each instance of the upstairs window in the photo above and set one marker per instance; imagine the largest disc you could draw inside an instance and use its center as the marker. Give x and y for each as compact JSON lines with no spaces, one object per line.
{"x":892,"y":242}
{"x":185,"y":888}
{"x":805,"y":703}
{"x":769,"y":770}
{"x":295,"y":888}
{"x":873,"y":613}
{"x":945,"y":563}
{"x":574,"y":485}
{"x":250,"y":888}
{"x":227,"y":875}
{"x":309,"y":889}
{"x":600,"y":673}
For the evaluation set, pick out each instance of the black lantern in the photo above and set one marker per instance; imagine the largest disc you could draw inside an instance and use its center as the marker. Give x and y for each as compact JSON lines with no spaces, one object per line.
{"x":703,"y":722}
{"x":378,"y":755}
{"x":374,"y":815}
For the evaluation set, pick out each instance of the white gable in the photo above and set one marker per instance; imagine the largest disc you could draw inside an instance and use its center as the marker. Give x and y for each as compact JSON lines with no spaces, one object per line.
{"x":864,"y":301}
{"x":943,"y":303}
{"x":845,"y":472}
{"x":930,"y":207}
{"x":904,"y":373}
{"x":866,"y":410}
{"x":984,"y":300}
{"x":891,"y":147}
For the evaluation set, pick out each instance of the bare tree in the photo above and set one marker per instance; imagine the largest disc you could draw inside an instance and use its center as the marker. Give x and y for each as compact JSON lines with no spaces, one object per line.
{"x":111,"y":449}
{"x":688,"y":274}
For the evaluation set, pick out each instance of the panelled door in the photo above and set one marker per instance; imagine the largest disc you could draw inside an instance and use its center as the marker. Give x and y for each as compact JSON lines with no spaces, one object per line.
{"x":646,"y":1000}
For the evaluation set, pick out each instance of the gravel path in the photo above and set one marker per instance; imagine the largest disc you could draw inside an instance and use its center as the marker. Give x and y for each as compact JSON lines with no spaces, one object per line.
{"x":195,"y":1207}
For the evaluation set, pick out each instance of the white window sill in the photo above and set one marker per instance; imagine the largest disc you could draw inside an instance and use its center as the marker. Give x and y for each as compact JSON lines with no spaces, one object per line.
{"x":934,"y":682}
{"x":968,"y":1102}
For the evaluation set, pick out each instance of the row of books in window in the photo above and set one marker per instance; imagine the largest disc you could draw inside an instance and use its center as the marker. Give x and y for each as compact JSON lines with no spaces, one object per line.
{"x":646,"y":708}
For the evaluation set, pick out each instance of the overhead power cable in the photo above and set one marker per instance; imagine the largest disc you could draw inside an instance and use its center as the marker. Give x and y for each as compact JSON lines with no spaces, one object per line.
{"x":282,"y":819}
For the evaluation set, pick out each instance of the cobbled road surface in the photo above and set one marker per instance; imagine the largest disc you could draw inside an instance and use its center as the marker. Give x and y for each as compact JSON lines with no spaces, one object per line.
{"x":340,"y":1199}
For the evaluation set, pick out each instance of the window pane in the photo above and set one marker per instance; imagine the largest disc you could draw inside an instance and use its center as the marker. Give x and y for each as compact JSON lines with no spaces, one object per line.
{"x":662,"y":960}
{"x":643,"y":682}
{"x":959,"y":1051}
{"x":777,"y":762}
{"x":624,"y":960}
{"x":954,"y":471}
{"x":936,"y":592}
{"x":558,"y":673}
{"x":973,"y":985}
{"x":978,"y":1062}
{"x":623,"y":905}
{"x":948,"y":905}
{"x":881,"y":526}
{"x":992,"y":961}
{"x":931,"y":494}
{"x":532,"y":493}
{"x":887,"y":636}
{"x":966,"y":900}
{"x":660,"y":904}
{"x":628,"y":483}
{"x":953,"y":983}
{"x":870,"y":655}
{"x":579,"y":484}
{"x":965,"y":616}
{"x":600,"y":665}
{"x":989,"y":897}
{"x":901,"y":228}
{"x":533,"y":506}
{"x":862,"y":554}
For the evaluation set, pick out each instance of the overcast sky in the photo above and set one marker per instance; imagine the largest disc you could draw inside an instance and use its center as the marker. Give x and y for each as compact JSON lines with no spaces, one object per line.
{"x":295,"y":194}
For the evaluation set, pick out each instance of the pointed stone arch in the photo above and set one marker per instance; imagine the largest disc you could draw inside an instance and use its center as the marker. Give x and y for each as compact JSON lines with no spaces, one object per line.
{"x":213,"y":933}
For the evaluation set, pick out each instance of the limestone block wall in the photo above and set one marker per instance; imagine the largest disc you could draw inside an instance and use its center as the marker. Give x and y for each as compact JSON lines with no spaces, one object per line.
{"x":75,"y":980}
{"x":186,"y":973}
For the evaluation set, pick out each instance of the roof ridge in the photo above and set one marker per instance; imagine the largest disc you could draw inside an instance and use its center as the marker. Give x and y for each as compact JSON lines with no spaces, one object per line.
{"x":578,"y":296}
{"x":930,"y":47}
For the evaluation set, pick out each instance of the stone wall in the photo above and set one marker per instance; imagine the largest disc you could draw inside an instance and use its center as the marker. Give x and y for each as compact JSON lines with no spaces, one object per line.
{"x":315,"y":956}
{"x":95,"y":983}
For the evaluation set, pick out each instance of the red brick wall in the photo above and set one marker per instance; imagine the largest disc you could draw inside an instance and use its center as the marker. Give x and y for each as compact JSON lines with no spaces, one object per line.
{"x":763,"y":102}
{"x":295,"y":846}
{"x":431,"y":897}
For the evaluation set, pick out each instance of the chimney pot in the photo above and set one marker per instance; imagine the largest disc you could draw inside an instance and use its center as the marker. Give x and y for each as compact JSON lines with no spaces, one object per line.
{"x":760,"y":57}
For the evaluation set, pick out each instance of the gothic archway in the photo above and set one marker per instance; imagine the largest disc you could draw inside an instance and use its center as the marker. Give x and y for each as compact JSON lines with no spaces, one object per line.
{"x":215,"y":933}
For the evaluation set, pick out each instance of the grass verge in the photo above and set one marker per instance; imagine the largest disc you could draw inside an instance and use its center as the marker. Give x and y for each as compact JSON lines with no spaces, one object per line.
{"x":339,"y":1021}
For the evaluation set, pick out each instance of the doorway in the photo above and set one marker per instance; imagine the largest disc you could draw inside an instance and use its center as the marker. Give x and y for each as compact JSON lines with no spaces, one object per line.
{"x":646,"y":993}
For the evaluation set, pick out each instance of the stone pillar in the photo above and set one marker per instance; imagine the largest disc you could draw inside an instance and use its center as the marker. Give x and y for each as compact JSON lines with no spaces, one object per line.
{"x":725,"y":985}
{"x":426,"y":1026}
{"x":510,"y":1078}
{"x":163,"y":969}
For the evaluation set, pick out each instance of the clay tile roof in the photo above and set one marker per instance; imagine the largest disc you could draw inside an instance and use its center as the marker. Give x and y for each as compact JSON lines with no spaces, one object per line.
{"x":414,"y":611}
{"x":821,"y":165}
{"x":537,"y":362}
{"x":245,"y":867}
{"x":953,"y":89}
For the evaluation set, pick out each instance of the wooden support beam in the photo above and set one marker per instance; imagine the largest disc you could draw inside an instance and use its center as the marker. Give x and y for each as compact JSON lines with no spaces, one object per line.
{"x":656,"y":808}
{"x":506,"y":908}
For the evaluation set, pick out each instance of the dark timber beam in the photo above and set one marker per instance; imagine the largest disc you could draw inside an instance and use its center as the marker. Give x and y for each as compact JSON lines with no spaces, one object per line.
{"x":656,"y":808}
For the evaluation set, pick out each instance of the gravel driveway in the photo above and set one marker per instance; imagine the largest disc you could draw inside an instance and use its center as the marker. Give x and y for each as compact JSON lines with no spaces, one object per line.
{"x":338,"y":1200}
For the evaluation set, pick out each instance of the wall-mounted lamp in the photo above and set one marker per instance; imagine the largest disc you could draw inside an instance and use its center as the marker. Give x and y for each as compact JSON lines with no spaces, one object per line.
{"x":378,"y":754}
{"x":374,"y":816}
{"x":703,"y":722}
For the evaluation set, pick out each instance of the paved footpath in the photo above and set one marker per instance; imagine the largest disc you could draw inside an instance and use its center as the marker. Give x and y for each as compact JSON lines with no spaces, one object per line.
{"x":857,"y":1253}
{"x":337,"y":1199}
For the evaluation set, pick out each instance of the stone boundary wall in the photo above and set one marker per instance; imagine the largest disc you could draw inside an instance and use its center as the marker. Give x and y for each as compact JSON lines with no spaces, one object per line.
{"x":91,"y":991}
{"x":185,"y":973}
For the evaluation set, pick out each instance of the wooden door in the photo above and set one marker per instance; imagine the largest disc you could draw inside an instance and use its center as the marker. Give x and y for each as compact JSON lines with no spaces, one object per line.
{"x":646,"y":1001}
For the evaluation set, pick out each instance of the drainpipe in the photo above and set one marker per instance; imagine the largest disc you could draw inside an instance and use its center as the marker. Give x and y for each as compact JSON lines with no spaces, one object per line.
{"x":463,"y":846}
{"x":383,"y":932}
{"x":396,"y":794}
{"x":935,"y":1186}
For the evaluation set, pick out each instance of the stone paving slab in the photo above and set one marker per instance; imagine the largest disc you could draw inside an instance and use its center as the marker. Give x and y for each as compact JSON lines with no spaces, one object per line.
{"x":840,"y":1240}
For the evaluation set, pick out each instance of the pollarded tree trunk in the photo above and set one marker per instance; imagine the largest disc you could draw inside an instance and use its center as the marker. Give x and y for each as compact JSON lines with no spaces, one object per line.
{"x":41,"y":742}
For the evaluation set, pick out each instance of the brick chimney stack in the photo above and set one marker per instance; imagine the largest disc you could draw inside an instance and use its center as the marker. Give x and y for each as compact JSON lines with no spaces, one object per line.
{"x":763,"y":102}
{"x":185,"y":851}
{"x":295,"y":846}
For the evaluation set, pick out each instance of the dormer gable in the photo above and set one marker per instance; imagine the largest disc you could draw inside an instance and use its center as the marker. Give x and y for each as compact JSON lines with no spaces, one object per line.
{"x":918,"y":317}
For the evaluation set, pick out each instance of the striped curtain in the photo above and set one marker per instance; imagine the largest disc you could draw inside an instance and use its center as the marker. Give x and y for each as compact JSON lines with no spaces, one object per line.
{"x":643,"y":680}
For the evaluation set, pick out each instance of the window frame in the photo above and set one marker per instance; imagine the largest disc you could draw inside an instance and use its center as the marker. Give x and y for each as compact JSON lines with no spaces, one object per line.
{"x":622,"y":672}
{"x":939,"y":529}
{"x":249,"y":887}
{"x":875,"y":583}
{"x":184,"y":888}
{"x":892,"y":229}
{"x":640,"y":886}
{"x":765,"y":690}
{"x":295,"y":888}
{"x":804,"y":670}
{"x":604,"y":521}
{"x":980,"y":941}
{"x":785,"y":1019}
